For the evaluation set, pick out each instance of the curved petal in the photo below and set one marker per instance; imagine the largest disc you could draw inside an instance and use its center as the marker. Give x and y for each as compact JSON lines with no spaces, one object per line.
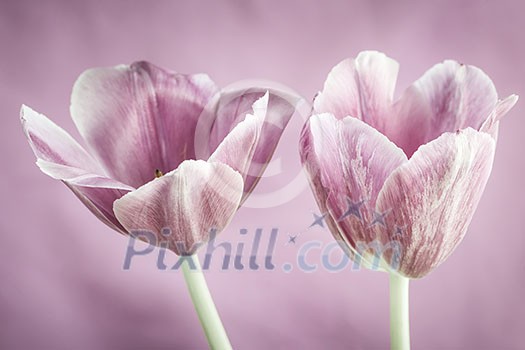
{"x":490,"y":125}
{"x":238,"y":148}
{"x":448,"y":97}
{"x":62,"y":158}
{"x":362,"y":88}
{"x":433,"y":197}
{"x":96,"y":192}
{"x":271,"y":109}
{"x":276,"y":106}
{"x":139,"y":118}
{"x":181,"y":208}
{"x":51,"y":143}
{"x":352,"y":161}
{"x":77,"y":176}
{"x":312,"y":168}
{"x":244,"y":149}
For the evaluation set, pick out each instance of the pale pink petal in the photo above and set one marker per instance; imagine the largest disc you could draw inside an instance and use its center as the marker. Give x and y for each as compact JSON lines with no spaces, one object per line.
{"x":189,"y":203}
{"x":362,"y":88}
{"x":231,"y":108}
{"x":272,"y":110}
{"x":311,"y":165}
{"x":96,"y":192}
{"x":78,"y":176}
{"x":53,"y":144}
{"x":433,"y":196}
{"x":61,"y":157}
{"x":239,"y":147}
{"x":99,"y":200}
{"x":448,"y":97}
{"x":139,"y":118}
{"x":277,"y":111}
{"x":348,"y":162}
{"x":490,"y":125}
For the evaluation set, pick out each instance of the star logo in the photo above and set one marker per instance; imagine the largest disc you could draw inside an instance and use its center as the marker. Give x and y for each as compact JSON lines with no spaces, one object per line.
{"x":354,"y":208}
{"x":292,"y":239}
{"x":399,"y":231}
{"x":318,"y":220}
{"x":379,"y":218}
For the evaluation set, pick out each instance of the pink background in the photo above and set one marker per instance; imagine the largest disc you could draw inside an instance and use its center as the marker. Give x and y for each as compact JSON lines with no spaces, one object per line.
{"x":62,"y":284}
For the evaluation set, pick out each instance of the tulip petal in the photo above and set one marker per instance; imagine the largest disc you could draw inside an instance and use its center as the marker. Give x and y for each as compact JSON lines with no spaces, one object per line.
{"x":191,"y":201}
{"x":96,"y":192}
{"x":448,"y":97}
{"x":240,"y":145}
{"x":139,"y":118}
{"x":433,"y":196}
{"x":238,"y":148}
{"x":490,"y":125}
{"x":311,"y":165}
{"x":99,"y":200}
{"x":77,"y":176}
{"x":61,"y":157}
{"x":272,"y":110}
{"x":362,"y":88}
{"x":51,"y":143}
{"x":348,"y":162}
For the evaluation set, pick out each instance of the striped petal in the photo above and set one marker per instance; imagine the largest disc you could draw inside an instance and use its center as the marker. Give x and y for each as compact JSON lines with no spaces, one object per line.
{"x":53,"y":144}
{"x":348,"y":162}
{"x":183,"y":207}
{"x":433,"y":196}
{"x":139,"y":118}
{"x":62,"y":158}
{"x":448,"y":97}
{"x":224,"y":128}
{"x":362,"y":88}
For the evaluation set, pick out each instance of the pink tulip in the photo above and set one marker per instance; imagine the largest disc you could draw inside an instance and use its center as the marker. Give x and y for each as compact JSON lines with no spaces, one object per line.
{"x":140,"y":122}
{"x":410,"y":171}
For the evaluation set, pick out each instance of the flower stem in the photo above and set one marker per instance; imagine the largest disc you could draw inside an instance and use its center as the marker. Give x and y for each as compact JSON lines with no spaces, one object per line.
{"x":399,"y":315}
{"x":201,"y":297}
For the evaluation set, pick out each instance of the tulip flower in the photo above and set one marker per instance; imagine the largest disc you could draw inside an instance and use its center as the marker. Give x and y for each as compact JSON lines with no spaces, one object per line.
{"x":407,"y":175}
{"x":167,"y":154}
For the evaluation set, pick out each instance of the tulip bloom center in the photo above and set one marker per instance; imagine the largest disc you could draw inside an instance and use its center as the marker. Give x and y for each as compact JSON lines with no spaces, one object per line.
{"x":158,"y":173}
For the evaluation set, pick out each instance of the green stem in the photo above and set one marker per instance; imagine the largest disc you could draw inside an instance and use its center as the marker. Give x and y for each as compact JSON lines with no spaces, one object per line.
{"x":201,"y":297}
{"x":399,"y":325}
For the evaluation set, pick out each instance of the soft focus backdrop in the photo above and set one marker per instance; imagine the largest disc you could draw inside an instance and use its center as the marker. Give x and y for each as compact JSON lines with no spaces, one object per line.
{"x":61,"y":280}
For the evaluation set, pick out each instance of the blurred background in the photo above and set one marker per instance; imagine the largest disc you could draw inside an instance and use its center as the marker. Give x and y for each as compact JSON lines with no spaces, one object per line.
{"x":62,"y":285}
